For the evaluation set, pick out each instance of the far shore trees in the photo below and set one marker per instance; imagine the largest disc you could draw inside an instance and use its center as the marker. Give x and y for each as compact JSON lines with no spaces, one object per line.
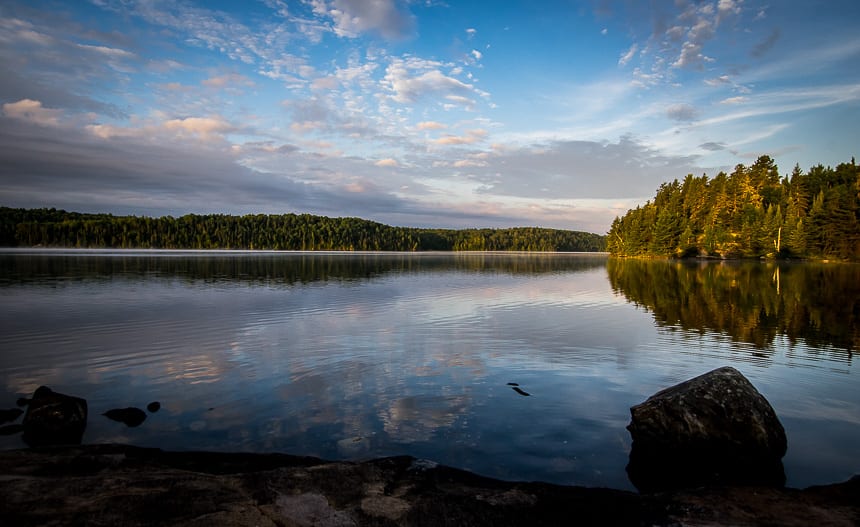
{"x":299,"y":232}
{"x":750,"y":213}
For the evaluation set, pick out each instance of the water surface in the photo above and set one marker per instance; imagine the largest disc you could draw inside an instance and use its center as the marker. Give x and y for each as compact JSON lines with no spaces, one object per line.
{"x":351,"y":356}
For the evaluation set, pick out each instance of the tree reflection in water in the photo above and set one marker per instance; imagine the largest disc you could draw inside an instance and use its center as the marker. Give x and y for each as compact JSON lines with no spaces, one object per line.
{"x":752,"y":302}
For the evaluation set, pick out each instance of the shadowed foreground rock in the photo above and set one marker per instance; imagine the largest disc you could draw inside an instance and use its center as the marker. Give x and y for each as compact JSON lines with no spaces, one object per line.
{"x":54,"y":418}
{"x":715,"y":429}
{"x":124,"y":485}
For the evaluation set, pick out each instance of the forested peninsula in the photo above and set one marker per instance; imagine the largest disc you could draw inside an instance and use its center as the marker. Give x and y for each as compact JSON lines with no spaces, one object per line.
{"x":750,"y":213}
{"x":301,"y":232}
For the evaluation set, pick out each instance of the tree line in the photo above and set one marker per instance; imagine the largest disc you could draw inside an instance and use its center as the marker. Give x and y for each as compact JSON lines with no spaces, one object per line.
{"x":306,"y":232}
{"x":750,"y":213}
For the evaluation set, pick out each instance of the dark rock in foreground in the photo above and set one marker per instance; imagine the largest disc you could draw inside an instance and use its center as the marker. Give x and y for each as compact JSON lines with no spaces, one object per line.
{"x":54,"y":418}
{"x":715,"y":429}
{"x":123,"y":485}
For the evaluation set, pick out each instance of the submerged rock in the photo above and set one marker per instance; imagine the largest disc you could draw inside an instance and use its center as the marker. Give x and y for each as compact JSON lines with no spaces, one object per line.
{"x":130,"y":416}
{"x":54,"y":418}
{"x":153,"y":407}
{"x":715,"y":429}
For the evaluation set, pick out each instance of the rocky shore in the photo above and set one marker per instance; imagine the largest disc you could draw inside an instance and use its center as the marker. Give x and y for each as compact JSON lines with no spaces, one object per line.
{"x":705,"y":452}
{"x":126,"y":485}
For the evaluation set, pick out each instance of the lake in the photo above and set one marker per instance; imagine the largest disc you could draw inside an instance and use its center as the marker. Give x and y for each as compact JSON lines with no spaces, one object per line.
{"x":359,"y":355}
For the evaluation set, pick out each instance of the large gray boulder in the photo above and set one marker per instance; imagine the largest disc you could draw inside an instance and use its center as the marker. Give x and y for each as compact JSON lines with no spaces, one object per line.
{"x":54,"y":418}
{"x":715,"y":429}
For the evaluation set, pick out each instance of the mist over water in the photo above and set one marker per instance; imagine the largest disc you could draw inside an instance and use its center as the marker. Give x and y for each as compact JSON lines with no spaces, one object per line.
{"x":351,"y":356}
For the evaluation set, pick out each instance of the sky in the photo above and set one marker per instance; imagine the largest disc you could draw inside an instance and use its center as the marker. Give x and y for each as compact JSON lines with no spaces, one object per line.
{"x":425,"y":113}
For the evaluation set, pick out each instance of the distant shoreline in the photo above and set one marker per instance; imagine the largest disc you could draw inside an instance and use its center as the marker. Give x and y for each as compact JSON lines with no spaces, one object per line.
{"x":293,"y":232}
{"x":146,"y":251}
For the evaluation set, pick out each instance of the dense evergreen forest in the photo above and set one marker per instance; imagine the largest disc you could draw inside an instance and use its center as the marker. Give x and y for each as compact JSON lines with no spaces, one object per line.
{"x":750,"y":213}
{"x":58,"y":228}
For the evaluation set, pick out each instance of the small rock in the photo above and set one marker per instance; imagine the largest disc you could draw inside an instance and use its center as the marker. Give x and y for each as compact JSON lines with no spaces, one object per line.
{"x":7,"y":416}
{"x":130,"y":416}
{"x":22,"y":401}
{"x":153,"y":407}
{"x":521,"y":391}
{"x":54,"y":418}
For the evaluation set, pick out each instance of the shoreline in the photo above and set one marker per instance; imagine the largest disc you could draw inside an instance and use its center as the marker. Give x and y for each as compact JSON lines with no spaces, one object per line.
{"x":115,"y":484}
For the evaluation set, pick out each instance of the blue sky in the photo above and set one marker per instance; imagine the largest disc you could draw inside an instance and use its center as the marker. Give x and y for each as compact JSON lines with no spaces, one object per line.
{"x":420,"y":113}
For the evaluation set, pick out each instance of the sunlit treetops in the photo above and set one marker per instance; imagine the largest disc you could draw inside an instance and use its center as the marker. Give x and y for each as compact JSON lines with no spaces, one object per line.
{"x":750,"y":213}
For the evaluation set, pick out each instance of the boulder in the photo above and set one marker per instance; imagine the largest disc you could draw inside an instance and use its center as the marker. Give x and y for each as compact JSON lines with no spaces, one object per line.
{"x":54,"y":418}
{"x":715,"y":429}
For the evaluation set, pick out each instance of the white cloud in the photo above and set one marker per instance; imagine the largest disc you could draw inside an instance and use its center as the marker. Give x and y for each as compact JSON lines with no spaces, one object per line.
{"x":325,"y":83}
{"x":356,"y":72}
{"x":407,"y":85}
{"x":726,"y":8}
{"x":107,"y":131}
{"x":430,"y":125}
{"x":459,"y":101}
{"x":676,"y":33}
{"x":718,"y":81}
{"x":387,"y":163}
{"x":628,"y":55}
{"x":681,"y":37}
{"x":681,"y":112}
{"x":785,"y":101}
{"x":204,"y":127}
{"x":470,"y":137}
{"x":113,"y":53}
{"x":279,"y":6}
{"x":477,"y":54}
{"x":691,"y":56}
{"x":467,"y":163}
{"x":227,"y":80}
{"x":15,"y":29}
{"x":33,"y":112}
{"x":579,"y":169}
{"x":351,"y":18}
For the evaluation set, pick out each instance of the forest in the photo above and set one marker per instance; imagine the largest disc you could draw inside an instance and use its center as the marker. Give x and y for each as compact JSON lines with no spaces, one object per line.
{"x":305,"y":232}
{"x":750,"y":213}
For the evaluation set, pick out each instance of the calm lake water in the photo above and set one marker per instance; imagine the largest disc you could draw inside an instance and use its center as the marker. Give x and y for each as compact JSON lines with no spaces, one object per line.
{"x":351,"y":356}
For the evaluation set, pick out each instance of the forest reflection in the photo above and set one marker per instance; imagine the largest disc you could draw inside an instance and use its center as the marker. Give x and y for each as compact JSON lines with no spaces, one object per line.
{"x":752,"y":302}
{"x":273,"y":268}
